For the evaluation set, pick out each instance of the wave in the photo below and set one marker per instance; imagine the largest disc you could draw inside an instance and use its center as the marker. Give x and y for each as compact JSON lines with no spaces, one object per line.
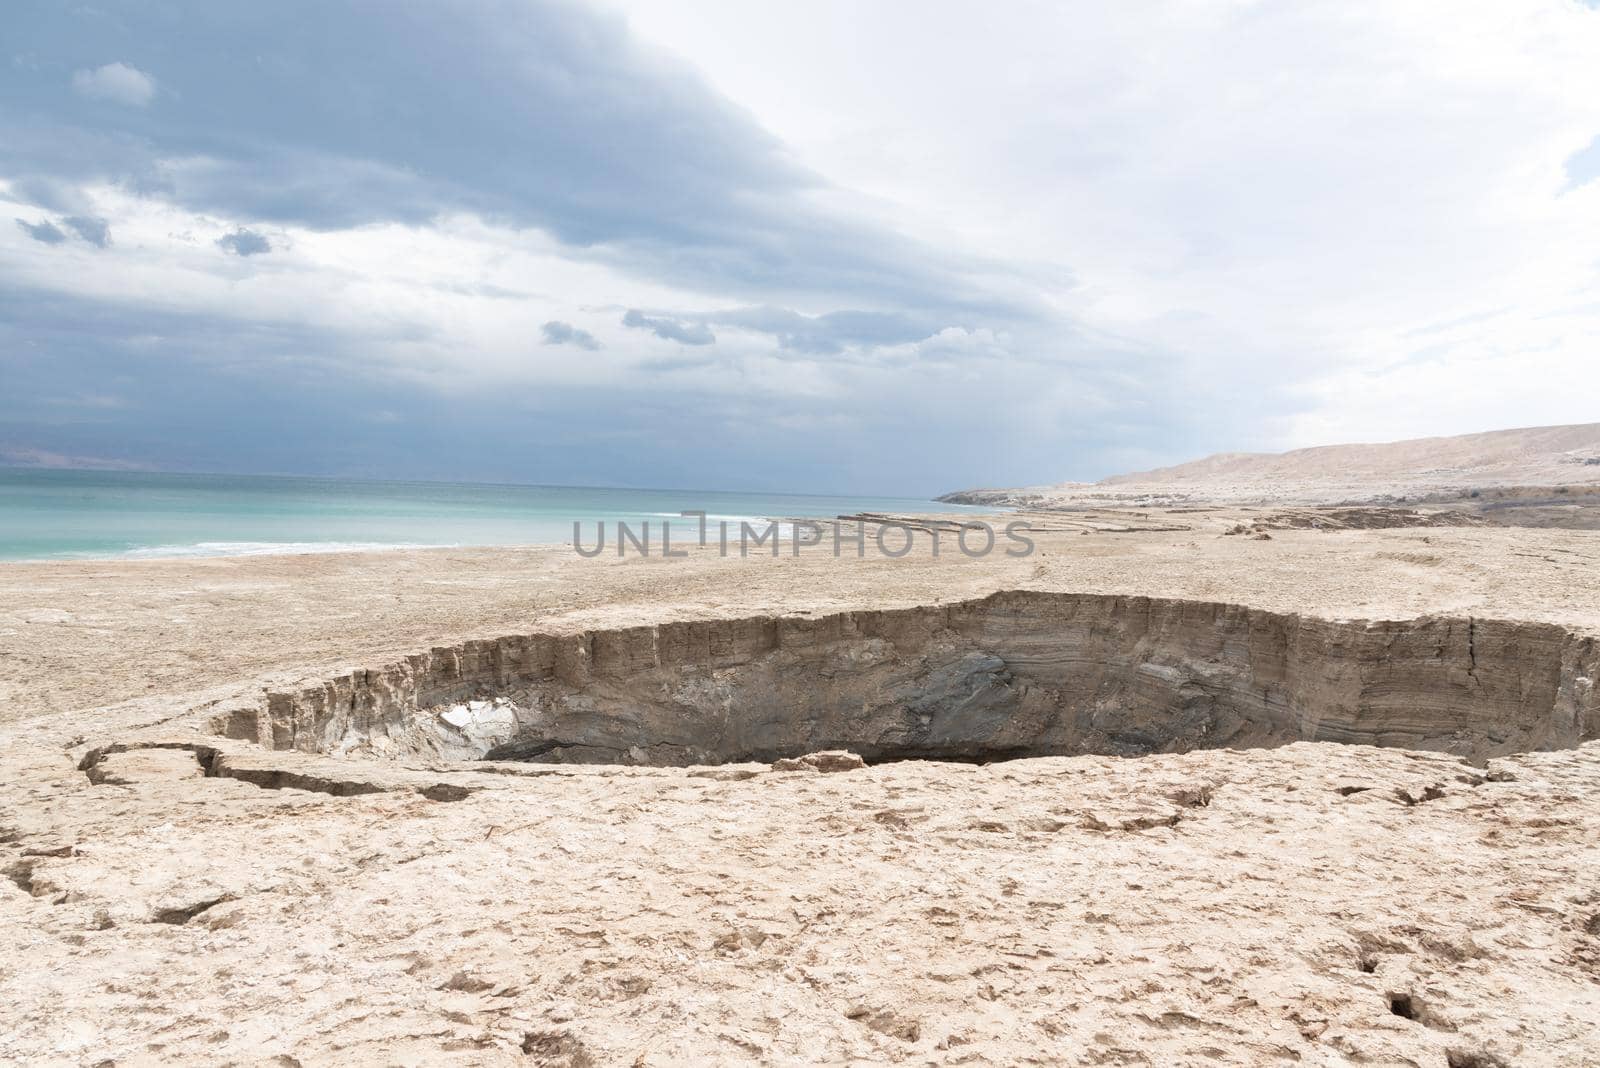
{"x":712,"y":518}
{"x":758,"y":523}
{"x":267,"y":548}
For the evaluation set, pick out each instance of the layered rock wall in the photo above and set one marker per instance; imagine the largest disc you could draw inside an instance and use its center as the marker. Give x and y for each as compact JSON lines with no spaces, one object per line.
{"x":1013,"y":674}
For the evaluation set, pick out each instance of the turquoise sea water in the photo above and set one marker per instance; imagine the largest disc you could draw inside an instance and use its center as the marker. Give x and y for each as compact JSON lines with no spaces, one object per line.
{"x":100,"y":514}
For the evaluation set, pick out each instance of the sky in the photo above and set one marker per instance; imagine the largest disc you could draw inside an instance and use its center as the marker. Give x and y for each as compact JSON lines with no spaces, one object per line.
{"x":836,"y":247}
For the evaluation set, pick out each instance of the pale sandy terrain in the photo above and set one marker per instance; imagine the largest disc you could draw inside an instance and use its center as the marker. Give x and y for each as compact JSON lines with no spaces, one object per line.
{"x":77,"y":635}
{"x":1262,"y":907}
{"x":1537,"y":456}
{"x":186,"y":898}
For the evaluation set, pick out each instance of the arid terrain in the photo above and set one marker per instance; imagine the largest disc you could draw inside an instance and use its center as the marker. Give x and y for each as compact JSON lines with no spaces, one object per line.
{"x":1191,"y":784}
{"x":1527,"y":466}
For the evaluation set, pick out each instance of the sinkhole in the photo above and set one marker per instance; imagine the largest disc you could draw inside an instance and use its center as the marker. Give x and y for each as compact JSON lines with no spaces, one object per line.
{"x":1015,"y":674}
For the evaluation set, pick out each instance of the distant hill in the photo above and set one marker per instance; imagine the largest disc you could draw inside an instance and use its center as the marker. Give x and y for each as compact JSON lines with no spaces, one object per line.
{"x":1535,"y":456}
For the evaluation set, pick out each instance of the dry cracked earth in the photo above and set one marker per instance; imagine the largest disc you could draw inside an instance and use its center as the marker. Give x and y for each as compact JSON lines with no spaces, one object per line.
{"x":173,"y":896}
{"x":1310,"y":904}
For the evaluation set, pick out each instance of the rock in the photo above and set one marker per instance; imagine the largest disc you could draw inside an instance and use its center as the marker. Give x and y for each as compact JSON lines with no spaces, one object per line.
{"x":476,"y":727}
{"x":556,"y":1049}
{"x":1132,"y":815}
{"x":829,"y":760}
{"x":726,"y":772}
{"x":467,"y":982}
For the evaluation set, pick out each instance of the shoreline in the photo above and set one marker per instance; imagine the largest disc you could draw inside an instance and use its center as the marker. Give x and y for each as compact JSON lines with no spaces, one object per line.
{"x":109,"y":515}
{"x":208,"y":550}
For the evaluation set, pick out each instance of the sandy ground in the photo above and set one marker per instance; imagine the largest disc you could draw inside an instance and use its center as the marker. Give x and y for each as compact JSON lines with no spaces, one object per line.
{"x":1313,"y":904}
{"x":1288,"y":906}
{"x":79,"y":635}
{"x":1451,"y":467}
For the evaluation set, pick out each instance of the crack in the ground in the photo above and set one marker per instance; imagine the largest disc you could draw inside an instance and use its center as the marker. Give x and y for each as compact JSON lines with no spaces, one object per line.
{"x":20,"y":874}
{"x":215,"y":764}
{"x":184,"y":913}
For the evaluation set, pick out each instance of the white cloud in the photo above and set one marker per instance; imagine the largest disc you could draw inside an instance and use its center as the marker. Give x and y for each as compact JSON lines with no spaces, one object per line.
{"x":116,"y":82}
{"x":459,"y":304}
{"x":1291,"y":199}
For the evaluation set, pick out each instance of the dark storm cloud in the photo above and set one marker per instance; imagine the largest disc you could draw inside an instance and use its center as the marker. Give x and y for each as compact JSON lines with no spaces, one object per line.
{"x":530,"y":112}
{"x":203,"y":392}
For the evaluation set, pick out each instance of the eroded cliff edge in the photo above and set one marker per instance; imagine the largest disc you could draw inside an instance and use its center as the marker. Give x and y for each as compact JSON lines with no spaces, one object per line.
{"x":1012,"y":674}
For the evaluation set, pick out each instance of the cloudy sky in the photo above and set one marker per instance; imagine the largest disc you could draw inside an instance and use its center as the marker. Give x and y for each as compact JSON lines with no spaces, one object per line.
{"x":832,"y":246}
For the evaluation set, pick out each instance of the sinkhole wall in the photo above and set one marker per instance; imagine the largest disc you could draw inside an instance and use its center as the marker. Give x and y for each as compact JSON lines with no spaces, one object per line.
{"x":1013,"y":674}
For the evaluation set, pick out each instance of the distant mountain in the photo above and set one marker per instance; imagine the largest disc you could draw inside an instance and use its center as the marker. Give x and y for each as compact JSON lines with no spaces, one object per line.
{"x":1535,"y":456}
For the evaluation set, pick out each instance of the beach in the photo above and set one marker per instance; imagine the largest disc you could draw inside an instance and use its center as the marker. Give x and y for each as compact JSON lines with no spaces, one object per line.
{"x":1275,"y":902}
{"x":77,"y":635}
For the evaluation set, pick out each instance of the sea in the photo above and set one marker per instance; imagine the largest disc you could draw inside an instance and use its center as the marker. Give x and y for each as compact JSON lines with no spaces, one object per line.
{"x":85,"y":515}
